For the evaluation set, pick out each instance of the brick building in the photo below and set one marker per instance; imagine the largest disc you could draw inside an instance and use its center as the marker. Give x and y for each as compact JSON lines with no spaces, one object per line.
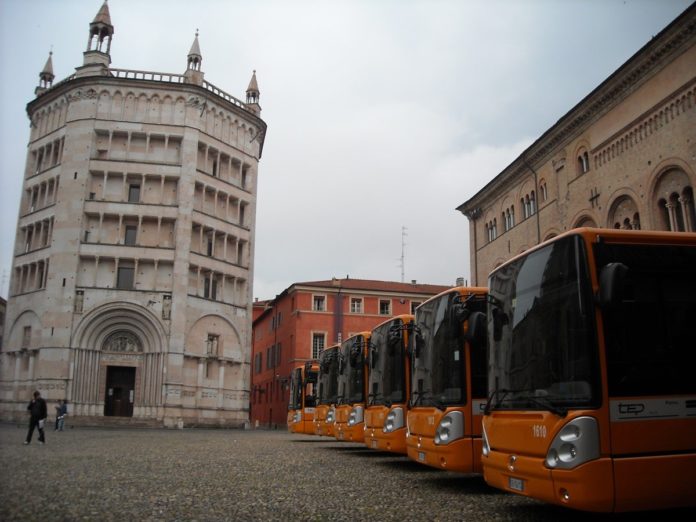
{"x":624,"y":157}
{"x":307,"y":317}
{"x":131,"y":279}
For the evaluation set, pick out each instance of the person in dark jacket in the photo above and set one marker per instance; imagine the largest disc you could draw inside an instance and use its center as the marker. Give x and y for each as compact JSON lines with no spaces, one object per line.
{"x":38,"y":413}
{"x":61,"y":412}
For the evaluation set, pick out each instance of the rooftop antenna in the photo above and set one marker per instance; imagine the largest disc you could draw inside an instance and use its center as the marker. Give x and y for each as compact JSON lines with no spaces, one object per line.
{"x":403,"y":250}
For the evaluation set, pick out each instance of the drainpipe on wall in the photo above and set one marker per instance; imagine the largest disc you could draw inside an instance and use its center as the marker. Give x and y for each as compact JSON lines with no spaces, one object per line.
{"x":473,"y":215}
{"x":338,"y":314}
{"x":536,"y":197}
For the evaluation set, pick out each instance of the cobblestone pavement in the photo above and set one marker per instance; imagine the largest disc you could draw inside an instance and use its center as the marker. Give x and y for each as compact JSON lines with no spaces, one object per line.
{"x":145,"y":474}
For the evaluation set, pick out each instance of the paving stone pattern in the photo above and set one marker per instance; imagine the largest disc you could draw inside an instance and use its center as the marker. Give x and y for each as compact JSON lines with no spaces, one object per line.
{"x":195,"y":474}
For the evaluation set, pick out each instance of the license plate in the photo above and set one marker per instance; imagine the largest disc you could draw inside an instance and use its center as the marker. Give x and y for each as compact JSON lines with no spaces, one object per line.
{"x":421,"y":456}
{"x":516,"y":484}
{"x":340,"y":435}
{"x":374,"y":444}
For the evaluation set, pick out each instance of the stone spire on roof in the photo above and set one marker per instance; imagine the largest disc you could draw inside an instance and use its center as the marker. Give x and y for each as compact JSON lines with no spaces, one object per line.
{"x":194,"y":56}
{"x":193,"y":72}
{"x":46,"y":76}
{"x":97,"y":57}
{"x":103,"y":16}
{"x":253,"y":94}
{"x":101,"y":31}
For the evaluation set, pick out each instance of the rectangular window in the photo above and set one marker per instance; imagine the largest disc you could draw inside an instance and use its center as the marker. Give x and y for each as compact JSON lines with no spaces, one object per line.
{"x":384,"y":307}
{"x":356,"y":305}
{"x":319,"y":303}
{"x":130,"y":235}
{"x":210,"y":287}
{"x":318,"y":343}
{"x":133,"y":193}
{"x":125,"y":277}
{"x":414,"y":305}
{"x":276,"y":358}
{"x":258,"y":362}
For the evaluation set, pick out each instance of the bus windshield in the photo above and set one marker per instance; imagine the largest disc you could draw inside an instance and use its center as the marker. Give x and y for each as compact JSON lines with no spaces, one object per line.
{"x":542,"y":342}
{"x":648,"y":336}
{"x":351,"y":371}
{"x":387,"y":381}
{"x":438,"y":368}
{"x":295,"y":389}
{"x":328,"y":377}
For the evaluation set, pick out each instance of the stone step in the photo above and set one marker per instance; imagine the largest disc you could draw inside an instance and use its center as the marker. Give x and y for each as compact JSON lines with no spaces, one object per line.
{"x":112,"y":422}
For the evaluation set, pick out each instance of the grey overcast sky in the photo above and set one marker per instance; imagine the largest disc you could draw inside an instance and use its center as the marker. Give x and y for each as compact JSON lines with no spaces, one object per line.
{"x":381,"y":114}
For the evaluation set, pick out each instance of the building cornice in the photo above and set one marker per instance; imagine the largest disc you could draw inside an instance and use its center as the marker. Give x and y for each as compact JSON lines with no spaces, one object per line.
{"x":72,"y":88}
{"x":672,"y":41}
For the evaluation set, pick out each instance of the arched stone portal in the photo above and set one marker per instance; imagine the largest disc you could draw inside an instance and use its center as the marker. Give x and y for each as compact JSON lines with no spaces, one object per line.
{"x":118,"y":362}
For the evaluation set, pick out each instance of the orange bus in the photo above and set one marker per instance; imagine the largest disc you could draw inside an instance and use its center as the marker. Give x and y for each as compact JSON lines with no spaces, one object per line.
{"x":324,"y":413}
{"x":388,"y":385}
{"x":591,"y":371}
{"x":303,"y":381}
{"x":448,"y":381}
{"x":352,"y":388}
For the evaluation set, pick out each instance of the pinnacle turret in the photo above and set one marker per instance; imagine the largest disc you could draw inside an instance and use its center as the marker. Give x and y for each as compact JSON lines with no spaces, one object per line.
{"x":194,"y":56}
{"x":46,"y":75}
{"x":101,"y":31}
{"x":253,"y":94}
{"x":193,"y":72}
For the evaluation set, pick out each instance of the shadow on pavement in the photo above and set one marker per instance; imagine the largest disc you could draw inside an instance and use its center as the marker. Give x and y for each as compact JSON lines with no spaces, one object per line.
{"x":552,"y":512}
{"x":406,"y":464}
{"x":470,"y":484}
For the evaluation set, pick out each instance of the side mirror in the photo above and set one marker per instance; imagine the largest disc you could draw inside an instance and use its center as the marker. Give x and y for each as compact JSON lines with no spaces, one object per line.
{"x":500,"y":319}
{"x":394,"y":337}
{"x":611,"y":284}
{"x":415,"y":343}
{"x":373,"y":356}
{"x":477,"y":331}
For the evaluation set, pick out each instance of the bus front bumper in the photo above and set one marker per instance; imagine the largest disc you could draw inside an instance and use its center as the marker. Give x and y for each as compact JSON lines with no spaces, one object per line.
{"x":395,"y":442}
{"x":455,"y":456}
{"x":355,"y":433}
{"x":588,"y":487}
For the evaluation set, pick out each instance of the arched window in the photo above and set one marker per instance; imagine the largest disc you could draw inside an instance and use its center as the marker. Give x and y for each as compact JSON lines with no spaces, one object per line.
{"x":624,"y":214}
{"x":675,"y":202}
{"x":583,"y":162}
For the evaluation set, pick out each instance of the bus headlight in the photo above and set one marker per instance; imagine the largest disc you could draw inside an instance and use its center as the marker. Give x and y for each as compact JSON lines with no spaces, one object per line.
{"x":575,"y":444}
{"x":331,"y":416}
{"x":451,"y":428}
{"x":485,"y":446}
{"x":394,"y":420}
{"x":298,"y":416}
{"x":355,"y":416}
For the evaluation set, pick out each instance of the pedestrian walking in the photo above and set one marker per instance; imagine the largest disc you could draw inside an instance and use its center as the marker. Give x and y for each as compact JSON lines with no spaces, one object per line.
{"x":61,"y":412}
{"x":38,"y":413}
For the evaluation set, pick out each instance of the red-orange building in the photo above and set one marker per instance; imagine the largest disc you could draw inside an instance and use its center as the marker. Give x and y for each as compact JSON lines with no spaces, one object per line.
{"x":307,"y":317}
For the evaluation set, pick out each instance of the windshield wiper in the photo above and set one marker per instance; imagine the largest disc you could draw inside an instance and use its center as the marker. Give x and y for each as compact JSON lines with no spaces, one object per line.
{"x":539,"y":401}
{"x":372,"y":397}
{"x":422,"y":398}
{"x":494,"y":393}
{"x":547,"y":404}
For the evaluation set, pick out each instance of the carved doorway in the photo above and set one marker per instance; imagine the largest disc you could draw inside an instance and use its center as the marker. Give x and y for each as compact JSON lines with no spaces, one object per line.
{"x":120,"y":391}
